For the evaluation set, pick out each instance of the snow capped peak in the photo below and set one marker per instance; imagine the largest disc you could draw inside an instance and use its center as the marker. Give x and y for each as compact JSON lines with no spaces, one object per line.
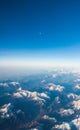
{"x":63,"y":126}
{"x":76,"y":122}
{"x":31,"y":95}
{"x":6,"y":110}
{"x":53,"y":87}
{"x":14,"y":83}
{"x":77,"y":87}
{"x":66,"y":112}
{"x":76,"y":104}
{"x":73,"y":96}
{"x":46,"y":117}
{"x":4,"y":84}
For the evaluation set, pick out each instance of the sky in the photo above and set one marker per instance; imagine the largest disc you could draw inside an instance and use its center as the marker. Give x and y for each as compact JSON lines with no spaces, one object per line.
{"x":39,"y":32}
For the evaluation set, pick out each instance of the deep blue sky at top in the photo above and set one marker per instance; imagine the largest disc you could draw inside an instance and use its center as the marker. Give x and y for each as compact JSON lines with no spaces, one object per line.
{"x":39,"y":24}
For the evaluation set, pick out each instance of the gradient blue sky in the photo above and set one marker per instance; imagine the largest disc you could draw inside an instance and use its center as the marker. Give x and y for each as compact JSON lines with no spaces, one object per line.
{"x":40,"y":29}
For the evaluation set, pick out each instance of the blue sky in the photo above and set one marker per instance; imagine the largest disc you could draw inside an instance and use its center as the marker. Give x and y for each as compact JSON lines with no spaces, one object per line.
{"x":40,"y":29}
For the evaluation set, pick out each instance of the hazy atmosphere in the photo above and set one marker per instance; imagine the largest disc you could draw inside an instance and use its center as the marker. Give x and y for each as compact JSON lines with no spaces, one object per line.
{"x":40,"y":31}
